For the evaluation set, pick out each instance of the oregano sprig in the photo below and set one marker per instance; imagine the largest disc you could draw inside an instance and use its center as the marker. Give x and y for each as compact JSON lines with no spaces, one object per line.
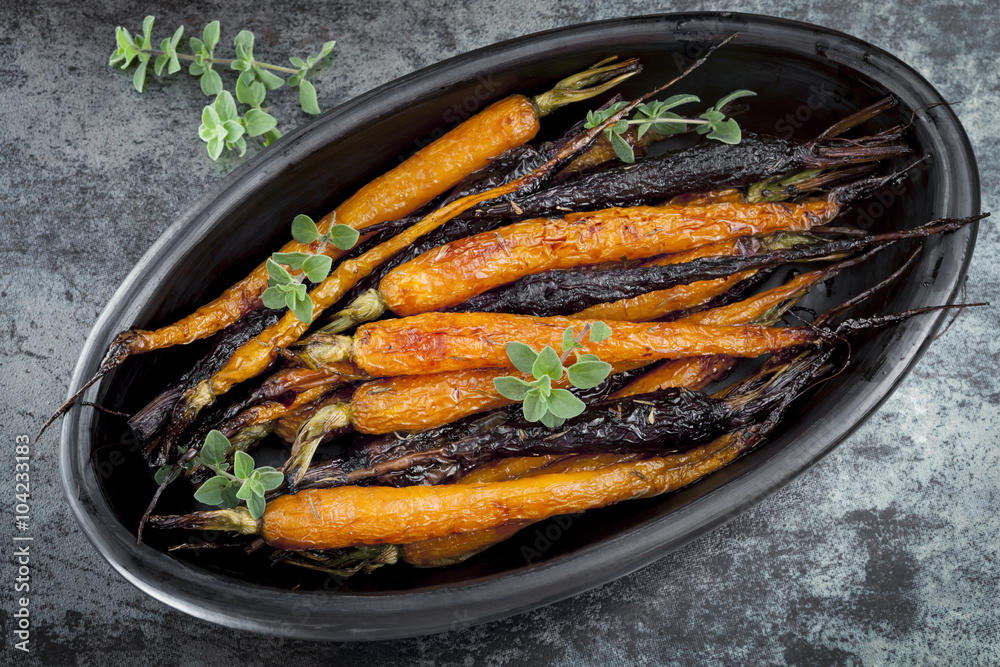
{"x":256,"y":78}
{"x":656,"y":116}
{"x":246,"y":482}
{"x":540,"y":400}
{"x":285,"y":289}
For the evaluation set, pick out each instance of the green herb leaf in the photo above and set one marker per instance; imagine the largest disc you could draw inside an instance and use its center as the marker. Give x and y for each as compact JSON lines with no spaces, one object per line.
{"x":234,"y":130}
{"x":252,"y":94}
{"x":229,"y":499}
{"x":270,"y":80}
{"x":271,"y":137}
{"x":298,"y":62}
{"x":162,"y":473}
{"x":273,"y":298}
{"x":245,"y":492}
{"x":303,"y":309}
{"x":258,"y":122}
{"x":667,"y":128}
{"x":735,"y":95}
{"x":304,"y":230}
{"x":242,"y":465}
{"x":599,"y":332}
{"x":244,"y":45}
{"x":147,"y":30}
{"x":213,"y":451}
{"x":676,"y":101}
{"x":569,"y":340}
{"x":280,"y":275}
{"x":210,"y":492}
{"x":307,"y":97}
{"x":728,"y":132}
{"x":587,"y":357}
{"x":159,"y":64}
{"x":256,"y":505}
{"x":588,"y":374}
{"x":562,"y":403}
{"x":270,"y":478}
{"x":551,"y":421}
{"x":622,"y":149}
{"x":512,"y":388}
{"x":211,"y":82}
{"x":522,"y":356}
{"x":534,"y":406}
{"x":139,"y":78}
{"x":317,"y":268}
{"x":595,"y":118}
{"x":547,"y":364}
{"x":292,"y":260}
{"x":211,"y":35}
{"x":343,"y":236}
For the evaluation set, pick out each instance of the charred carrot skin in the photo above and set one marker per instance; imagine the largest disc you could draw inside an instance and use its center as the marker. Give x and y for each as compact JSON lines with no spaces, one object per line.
{"x":436,"y":342}
{"x":452,"y":274}
{"x":430,"y":172}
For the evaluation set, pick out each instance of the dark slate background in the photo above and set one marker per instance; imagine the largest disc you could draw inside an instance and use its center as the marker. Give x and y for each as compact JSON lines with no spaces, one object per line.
{"x":884,"y":552}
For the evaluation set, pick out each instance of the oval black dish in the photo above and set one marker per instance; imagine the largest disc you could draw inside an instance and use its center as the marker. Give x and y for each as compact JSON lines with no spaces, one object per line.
{"x":807,"y":77}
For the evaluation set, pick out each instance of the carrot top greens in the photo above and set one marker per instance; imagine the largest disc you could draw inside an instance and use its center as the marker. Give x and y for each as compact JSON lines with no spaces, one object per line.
{"x":656,"y":116}
{"x":541,"y":401}
{"x":222,"y":126}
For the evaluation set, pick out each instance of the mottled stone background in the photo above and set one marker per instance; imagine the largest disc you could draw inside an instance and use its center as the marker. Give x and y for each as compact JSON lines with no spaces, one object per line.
{"x":884,"y":552}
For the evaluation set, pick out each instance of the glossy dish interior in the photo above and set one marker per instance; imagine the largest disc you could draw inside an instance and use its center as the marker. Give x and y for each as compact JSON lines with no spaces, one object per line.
{"x":806,"y":79}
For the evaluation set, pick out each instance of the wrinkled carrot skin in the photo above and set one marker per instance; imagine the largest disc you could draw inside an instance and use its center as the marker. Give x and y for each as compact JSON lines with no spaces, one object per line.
{"x":437,"y":342}
{"x":696,"y":372}
{"x":428,"y":173}
{"x":355,"y":516}
{"x":416,"y":402}
{"x":449,"y":275}
{"x":653,"y":305}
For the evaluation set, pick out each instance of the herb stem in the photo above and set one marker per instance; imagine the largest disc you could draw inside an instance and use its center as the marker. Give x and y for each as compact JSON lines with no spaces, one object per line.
{"x":688,"y":121}
{"x":221,"y":471}
{"x":578,"y":339}
{"x":221,"y":61}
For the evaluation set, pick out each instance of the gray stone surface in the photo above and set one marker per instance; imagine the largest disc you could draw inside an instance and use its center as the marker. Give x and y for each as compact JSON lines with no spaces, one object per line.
{"x":883,"y":553}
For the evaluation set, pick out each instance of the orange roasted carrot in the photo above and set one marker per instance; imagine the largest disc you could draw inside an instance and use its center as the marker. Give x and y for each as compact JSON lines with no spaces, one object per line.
{"x":353,"y":516}
{"x":415,"y":402}
{"x":436,"y":342}
{"x":653,"y":305}
{"x":445,"y":277}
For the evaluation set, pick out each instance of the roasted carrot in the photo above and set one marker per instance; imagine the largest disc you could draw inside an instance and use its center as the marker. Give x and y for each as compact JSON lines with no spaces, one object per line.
{"x":354,"y":516}
{"x":436,"y":342}
{"x":454,"y":273}
{"x":415,"y":402}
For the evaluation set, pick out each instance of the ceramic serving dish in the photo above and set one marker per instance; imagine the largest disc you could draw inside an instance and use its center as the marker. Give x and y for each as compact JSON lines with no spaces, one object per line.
{"x":807,"y":77}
